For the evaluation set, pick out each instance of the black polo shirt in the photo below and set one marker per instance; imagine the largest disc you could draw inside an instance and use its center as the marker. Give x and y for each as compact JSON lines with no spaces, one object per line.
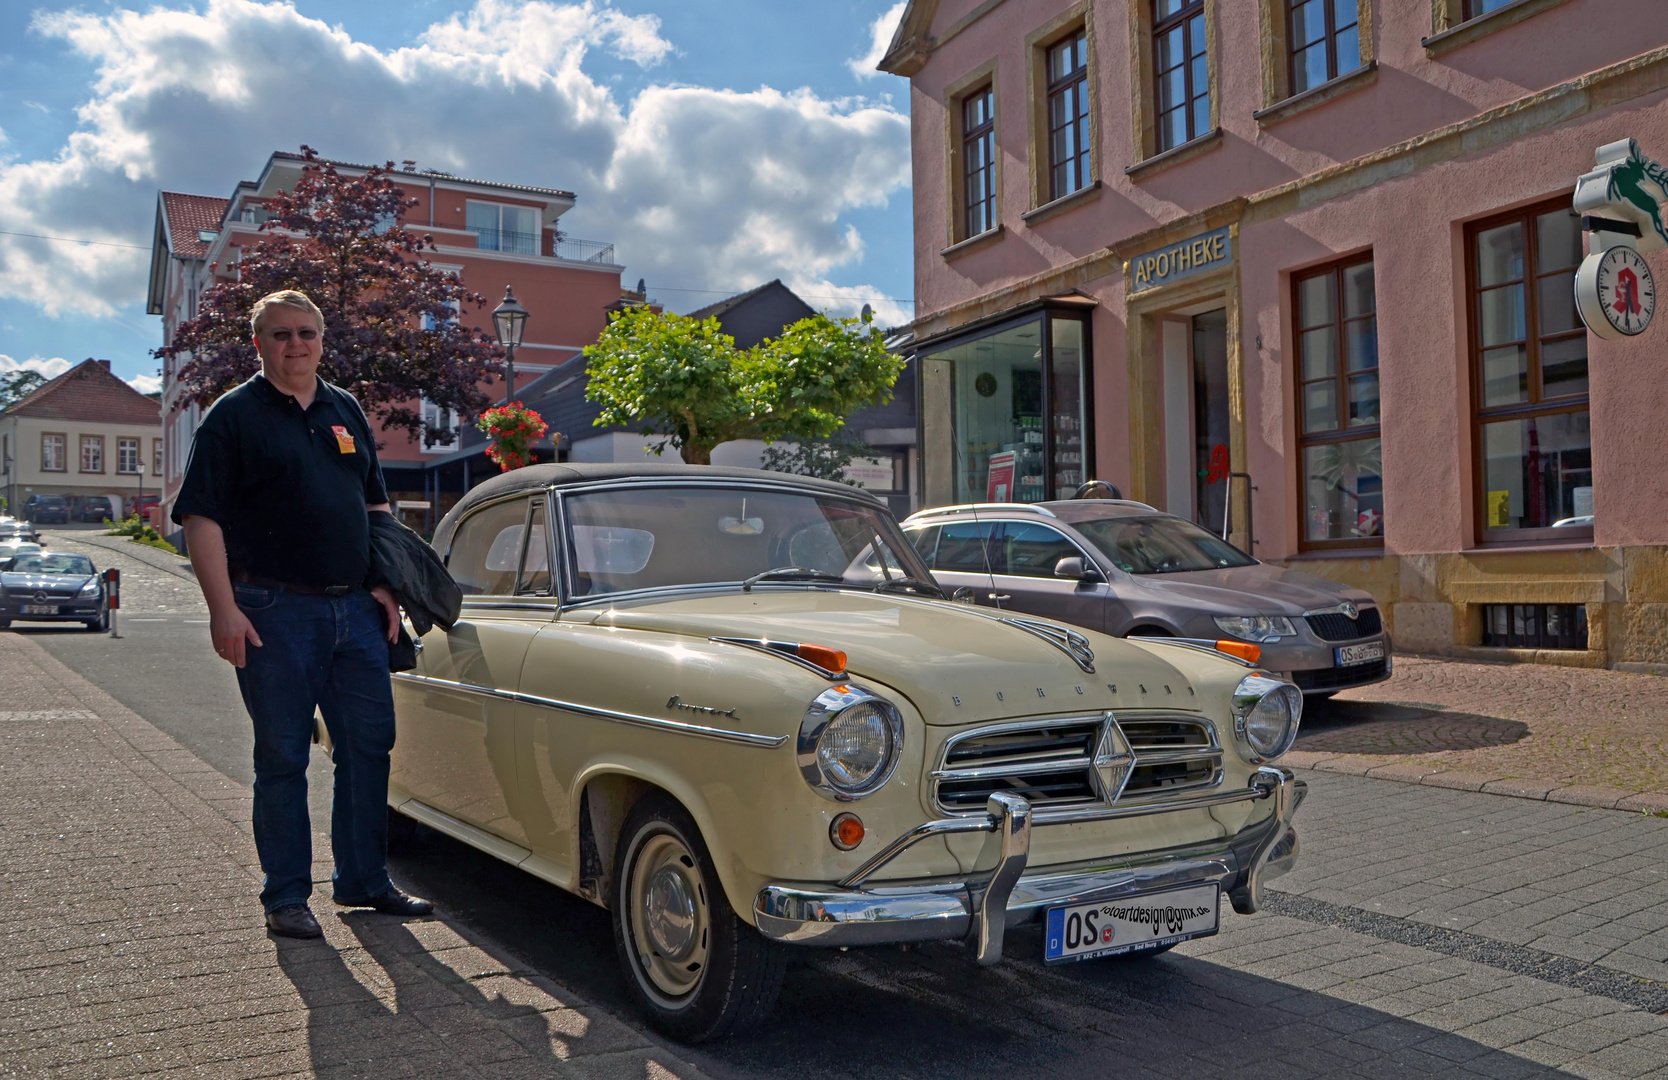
{"x":288,"y":488}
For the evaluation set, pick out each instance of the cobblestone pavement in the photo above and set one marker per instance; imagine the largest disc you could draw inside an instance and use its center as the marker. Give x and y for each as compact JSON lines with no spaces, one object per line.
{"x":1579,"y":735}
{"x":133,"y":942}
{"x":153,"y":582}
{"x":1426,"y":932}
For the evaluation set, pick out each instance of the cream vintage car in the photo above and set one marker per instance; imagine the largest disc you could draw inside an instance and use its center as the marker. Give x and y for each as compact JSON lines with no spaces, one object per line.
{"x":734,"y":708}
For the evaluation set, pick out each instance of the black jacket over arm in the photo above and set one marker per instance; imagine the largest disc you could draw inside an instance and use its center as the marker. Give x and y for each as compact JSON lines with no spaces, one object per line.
{"x":403,"y":561}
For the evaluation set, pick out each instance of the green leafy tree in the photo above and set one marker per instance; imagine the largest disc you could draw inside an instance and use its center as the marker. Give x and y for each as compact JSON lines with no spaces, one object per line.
{"x":17,"y":385}
{"x":684,"y":379}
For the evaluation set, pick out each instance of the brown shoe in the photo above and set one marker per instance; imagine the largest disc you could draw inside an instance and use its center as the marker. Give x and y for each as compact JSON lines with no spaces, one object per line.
{"x":294,"y":921}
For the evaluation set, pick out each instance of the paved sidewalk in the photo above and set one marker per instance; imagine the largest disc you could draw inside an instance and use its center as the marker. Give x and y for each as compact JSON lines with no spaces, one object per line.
{"x":177,"y":565}
{"x":133,"y":942}
{"x":1576,"y":735}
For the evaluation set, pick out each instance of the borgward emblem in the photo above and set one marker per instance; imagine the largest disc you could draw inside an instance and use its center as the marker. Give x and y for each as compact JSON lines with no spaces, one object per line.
{"x":1114,"y":761}
{"x":1350,"y":610}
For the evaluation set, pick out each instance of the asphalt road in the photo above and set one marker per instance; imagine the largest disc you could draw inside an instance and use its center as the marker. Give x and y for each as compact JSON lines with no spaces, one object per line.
{"x":1427,"y":932}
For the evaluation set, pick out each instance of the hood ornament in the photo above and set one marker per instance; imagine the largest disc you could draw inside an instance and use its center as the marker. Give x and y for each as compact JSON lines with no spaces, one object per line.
{"x":1070,"y":642}
{"x":1114,"y":760}
{"x":1351,"y":612}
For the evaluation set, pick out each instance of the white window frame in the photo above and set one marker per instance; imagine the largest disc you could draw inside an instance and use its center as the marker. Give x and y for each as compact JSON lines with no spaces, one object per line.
{"x":53,"y":440}
{"x":498,"y":210}
{"x":94,"y":443}
{"x":446,"y":420}
{"x":123,"y":466}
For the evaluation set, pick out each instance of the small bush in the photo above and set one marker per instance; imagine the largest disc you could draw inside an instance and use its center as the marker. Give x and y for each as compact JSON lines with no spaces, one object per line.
{"x":137,"y":531}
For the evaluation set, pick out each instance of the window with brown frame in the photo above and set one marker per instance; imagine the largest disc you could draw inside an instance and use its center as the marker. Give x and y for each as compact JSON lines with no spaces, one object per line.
{"x":1182,"y":71}
{"x":53,"y":453}
{"x":1068,"y":115}
{"x":1529,"y":376}
{"x":1324,"y":38}
{"x":92,"y":453}
{"x":1336,"y":318}
{"x":978,"y":155}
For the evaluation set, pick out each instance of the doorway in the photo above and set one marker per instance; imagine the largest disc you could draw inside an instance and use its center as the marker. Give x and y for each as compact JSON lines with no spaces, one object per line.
{"x":1196,"y":423}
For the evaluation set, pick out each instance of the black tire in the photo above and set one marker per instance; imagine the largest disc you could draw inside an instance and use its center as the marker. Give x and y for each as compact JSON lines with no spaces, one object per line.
{"x":100,"y":624}
{"x":402,"y":832}
{"x":723,"y":977}
{"x":5,"y":624}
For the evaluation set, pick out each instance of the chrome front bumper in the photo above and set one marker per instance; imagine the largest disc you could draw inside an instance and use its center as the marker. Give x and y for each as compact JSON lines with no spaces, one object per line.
{"x":980,"y":910}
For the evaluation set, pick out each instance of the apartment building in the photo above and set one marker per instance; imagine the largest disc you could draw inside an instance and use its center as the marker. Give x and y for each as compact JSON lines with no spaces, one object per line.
{"x":493,"y":235}
{"x":1301,"y":270}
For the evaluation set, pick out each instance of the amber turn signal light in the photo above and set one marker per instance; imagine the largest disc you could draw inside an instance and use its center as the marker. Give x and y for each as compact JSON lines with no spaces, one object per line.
{"x":846,"y":831}
{"x":1243,"y":649}
{"x":821,"y":655}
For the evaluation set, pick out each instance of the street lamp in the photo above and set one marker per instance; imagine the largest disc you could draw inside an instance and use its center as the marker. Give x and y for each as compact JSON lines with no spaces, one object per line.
{"x":509,"y":319}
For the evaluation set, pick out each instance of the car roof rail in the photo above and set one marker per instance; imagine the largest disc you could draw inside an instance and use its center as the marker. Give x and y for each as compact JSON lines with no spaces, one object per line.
{"x":973,"y":508}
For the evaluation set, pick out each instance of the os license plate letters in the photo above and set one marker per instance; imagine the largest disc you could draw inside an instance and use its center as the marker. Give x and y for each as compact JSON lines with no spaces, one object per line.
{"x":1360,"y":654}
{"x":1130,"y":923}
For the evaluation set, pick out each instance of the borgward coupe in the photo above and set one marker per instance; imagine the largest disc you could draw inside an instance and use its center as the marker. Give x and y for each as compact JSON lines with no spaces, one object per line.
{"x":48,"y":586}
{"x":735,"y":709}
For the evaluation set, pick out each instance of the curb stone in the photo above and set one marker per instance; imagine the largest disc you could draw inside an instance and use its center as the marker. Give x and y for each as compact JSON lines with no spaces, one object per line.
{"x":1602,"y":798}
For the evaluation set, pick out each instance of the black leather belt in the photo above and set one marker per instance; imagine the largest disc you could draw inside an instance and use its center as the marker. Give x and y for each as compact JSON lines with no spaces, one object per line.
{"x":300,"y":590}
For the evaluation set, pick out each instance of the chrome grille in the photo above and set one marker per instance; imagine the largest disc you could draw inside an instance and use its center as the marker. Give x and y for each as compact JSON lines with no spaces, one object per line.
{"x":1336,"y":626}
{"x":1051,"y":763}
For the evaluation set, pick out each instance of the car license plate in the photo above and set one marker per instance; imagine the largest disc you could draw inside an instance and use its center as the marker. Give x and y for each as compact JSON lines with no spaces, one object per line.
{"x":40,"y":609}
{"x":1130,"y":923}
{"x":1359,"y":654}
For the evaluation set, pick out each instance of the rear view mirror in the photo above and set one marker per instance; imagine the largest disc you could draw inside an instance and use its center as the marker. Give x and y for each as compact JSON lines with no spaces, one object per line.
{"x":1075,"y":569}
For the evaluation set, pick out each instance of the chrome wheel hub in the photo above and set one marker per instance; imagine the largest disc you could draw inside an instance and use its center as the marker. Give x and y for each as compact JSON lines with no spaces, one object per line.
{"x":666,"y":905}
{"x":670,"y":914}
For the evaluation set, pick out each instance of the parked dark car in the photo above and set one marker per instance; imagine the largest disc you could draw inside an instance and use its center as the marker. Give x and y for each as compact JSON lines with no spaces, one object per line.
{"x":52,"y":586}
{"x":95,"y":508}
{"x":47,"y":509}
{"x":1126,"y":569}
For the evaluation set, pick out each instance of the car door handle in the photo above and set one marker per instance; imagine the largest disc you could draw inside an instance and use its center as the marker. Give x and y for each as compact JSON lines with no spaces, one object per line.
{"x":998,"y":597}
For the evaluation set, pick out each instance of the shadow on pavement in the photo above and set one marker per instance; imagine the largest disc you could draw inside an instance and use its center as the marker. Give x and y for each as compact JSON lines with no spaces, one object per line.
{"x":1384,"y":727}
{"x":883,"y":1013}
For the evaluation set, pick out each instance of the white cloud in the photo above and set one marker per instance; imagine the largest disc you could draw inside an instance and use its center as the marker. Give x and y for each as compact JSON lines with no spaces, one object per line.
{"x":51,"y":368}
{"x":695,"y":186}
{"x":146,"y":384}
{"x":881,"y":32}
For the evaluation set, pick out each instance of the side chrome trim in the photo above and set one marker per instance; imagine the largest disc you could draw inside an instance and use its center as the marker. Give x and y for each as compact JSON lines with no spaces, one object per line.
{"x":782,"y":650}
{"x":1204,"y":645}
{"x":679,"y":727}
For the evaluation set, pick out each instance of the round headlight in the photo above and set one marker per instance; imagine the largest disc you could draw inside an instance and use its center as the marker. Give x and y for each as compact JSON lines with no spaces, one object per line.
{"x":849,"y":743}
{"x":1266,"y":715}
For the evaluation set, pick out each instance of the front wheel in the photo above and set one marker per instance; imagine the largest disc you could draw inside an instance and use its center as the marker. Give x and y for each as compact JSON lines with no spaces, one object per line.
{"x":693,"y":966}
{"x":101,"y":623}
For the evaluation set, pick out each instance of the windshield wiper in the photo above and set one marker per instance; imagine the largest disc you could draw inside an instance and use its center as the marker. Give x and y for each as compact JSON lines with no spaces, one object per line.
{"x":790,"y":573}
{"x":910,"y":584}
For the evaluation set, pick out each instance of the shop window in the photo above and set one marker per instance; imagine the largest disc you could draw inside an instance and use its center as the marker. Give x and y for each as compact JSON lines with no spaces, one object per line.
{"x":1181,"y":71}
{"x":1336,"y":355}
{"x":978,"y":156}
{"x":1004,"y":413}
{"x":1324,"y":39}
{"x":1535,"y":626}
{"x":1068,"y":115}
{"x":1529,"y":377}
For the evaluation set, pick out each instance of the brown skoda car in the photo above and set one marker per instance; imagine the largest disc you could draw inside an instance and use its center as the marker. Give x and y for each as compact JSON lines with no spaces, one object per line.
{"x":1124,"y":568}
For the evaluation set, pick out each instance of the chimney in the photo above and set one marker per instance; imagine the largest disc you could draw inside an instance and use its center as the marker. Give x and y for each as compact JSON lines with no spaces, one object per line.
{"x":105,"y":364}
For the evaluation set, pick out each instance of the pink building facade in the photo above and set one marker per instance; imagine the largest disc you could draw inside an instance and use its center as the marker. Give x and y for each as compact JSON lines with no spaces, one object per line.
{"x":1302,"y":269}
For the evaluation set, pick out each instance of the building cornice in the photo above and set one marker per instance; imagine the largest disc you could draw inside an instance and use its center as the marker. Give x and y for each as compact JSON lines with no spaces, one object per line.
{"x":1605,"y":88}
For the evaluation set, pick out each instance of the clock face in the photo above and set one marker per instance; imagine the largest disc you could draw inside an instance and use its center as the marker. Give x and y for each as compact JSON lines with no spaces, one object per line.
{"x":1625,"y":290}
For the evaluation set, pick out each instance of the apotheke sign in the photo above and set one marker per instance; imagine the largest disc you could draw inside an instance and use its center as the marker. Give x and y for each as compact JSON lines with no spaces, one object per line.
{"x":1195,"y":255}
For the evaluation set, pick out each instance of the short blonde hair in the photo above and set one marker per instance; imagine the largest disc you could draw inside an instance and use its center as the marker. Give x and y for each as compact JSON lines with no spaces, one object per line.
{"x":289,"y":298}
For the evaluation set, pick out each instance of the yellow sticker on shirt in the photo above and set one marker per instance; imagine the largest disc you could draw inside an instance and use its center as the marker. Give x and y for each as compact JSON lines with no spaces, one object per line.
{"x":344,"y":441}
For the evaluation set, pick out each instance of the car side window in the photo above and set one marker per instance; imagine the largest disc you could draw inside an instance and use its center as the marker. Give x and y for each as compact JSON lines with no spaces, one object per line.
{"x":1031,"y":550}
{"x":963,"y":547}
{"x":925,"y":542}
{"x":535,"y":564}
{"x":486,"y":549}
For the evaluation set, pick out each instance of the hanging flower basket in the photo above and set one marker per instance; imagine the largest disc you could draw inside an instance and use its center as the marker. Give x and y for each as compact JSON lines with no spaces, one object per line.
{"x":513,"y":429}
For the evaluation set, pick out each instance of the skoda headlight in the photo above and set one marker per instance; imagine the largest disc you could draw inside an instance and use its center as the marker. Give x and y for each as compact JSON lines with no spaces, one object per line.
{"x":849,"y":743}
{"x":1266,"y":715}
{"x":1255,"y":627}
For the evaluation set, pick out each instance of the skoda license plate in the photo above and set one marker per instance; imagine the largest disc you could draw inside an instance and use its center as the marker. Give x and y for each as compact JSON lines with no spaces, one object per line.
{"x":1359,"y":654}
{"x":40,"y":609}
{"x":1130,"y":923}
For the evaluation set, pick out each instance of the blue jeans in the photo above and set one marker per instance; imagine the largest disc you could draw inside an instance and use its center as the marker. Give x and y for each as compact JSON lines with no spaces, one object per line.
{"x":332,"y":653}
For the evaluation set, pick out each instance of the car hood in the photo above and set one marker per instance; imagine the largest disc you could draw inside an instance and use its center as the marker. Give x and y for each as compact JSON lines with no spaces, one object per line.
{"x":23,"y":582}
{"x":1252,"y":590}
{"x":957,"y":664}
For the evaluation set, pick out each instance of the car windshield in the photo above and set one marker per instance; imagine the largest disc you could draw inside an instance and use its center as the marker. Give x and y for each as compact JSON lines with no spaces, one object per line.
{"x":661,"y":537}
{"x":1160,"y":545}
{"x":52,"y":564}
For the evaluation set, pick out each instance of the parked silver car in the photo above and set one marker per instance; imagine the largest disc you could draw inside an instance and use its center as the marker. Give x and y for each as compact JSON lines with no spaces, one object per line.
{"x":1124,"y":568}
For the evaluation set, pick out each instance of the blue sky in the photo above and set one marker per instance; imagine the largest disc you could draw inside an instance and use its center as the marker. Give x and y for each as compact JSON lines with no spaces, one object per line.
{"x":717,"y":144}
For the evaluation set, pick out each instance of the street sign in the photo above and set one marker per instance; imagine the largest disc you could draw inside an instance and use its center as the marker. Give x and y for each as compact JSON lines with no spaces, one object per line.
{"x":1622,"y":203}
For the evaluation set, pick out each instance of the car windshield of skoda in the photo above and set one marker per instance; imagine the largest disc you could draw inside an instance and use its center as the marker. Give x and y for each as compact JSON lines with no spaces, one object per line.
{"x":735,"y":709}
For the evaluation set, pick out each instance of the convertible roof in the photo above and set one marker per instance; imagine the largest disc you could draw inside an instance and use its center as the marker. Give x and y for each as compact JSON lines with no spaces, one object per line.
{"x":539,"y":477}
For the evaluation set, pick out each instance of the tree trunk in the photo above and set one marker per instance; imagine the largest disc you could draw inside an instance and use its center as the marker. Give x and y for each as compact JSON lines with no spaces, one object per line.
{"x":697,"y":454}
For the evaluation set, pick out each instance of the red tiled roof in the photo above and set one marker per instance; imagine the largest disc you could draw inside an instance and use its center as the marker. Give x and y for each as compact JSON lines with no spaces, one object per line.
{"x":88,"y":391}
{"x":188,"y":215}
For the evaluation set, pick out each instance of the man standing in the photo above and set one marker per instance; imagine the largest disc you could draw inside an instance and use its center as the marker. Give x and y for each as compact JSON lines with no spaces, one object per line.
{"x":276,"y":500}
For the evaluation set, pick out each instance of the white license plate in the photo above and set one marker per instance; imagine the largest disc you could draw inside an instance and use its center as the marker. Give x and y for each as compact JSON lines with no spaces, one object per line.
{"x":1359,"y":654}
{"x":40,"y":609}
{"x":1130,"y":923}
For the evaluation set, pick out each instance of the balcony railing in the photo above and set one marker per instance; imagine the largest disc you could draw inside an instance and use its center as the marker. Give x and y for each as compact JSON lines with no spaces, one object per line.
{"x":584,"y":250}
